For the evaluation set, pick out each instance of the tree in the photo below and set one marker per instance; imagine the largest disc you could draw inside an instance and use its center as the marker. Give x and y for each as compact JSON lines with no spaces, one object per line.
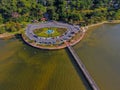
{"x":117,"y":15}
{"x":1,"y":19}
{"x":2,"y":30}
{"x":66,"y":10}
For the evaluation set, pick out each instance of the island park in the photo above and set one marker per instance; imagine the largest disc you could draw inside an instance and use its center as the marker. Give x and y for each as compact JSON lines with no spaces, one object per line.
{"x":52,"y":35}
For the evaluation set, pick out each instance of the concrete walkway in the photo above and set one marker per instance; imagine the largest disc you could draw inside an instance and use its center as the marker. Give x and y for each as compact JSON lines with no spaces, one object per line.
{"x":83,"y":68}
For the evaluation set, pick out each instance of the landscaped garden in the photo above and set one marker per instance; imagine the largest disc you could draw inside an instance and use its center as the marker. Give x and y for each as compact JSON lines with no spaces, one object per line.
{"x":50,"y":32}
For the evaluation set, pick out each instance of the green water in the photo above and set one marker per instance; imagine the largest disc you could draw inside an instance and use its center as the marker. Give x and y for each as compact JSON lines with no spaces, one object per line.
{"x":100,"y":52}
{"x":25,"y":68}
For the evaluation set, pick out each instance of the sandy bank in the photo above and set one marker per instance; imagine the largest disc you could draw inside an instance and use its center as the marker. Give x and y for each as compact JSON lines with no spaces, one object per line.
{"x":6,"y":35}
{"x":104,"y":22}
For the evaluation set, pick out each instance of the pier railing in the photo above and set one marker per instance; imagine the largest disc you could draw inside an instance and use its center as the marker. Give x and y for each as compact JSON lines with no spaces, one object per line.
{"x":83,"y":68}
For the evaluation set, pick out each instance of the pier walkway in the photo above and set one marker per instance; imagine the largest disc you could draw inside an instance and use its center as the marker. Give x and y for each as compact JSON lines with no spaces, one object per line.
{"x":84,"y":70}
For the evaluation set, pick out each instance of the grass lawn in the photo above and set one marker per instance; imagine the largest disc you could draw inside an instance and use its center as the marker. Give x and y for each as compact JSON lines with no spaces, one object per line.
{"x":42,"y":32}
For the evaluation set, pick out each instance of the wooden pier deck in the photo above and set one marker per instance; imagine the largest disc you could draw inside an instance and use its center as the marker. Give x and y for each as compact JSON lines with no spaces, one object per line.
{"x":84,"y":70}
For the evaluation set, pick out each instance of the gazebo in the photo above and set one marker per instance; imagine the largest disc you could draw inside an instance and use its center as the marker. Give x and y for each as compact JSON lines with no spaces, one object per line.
{"x":43,"y":19}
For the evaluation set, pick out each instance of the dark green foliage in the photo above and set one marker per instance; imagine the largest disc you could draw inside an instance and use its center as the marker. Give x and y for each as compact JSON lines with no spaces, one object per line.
{"x":12,"y":26}
{"x":2,"y":30}
{"x":72,"y":11}
{"x":1,"y":19}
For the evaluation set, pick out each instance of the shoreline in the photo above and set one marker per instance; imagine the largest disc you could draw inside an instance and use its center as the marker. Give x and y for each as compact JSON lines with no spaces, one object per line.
{"x":6,"y":35}
{"x":104,"y":22}
{"x":66,"y":44}
{"x":85,"y":28}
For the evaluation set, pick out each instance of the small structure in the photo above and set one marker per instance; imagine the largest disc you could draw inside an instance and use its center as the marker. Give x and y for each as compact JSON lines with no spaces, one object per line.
{"x":15,"y":14}
{"x":43,"y":19}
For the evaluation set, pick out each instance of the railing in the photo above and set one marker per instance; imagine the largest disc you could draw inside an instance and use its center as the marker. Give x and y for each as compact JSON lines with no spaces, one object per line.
{"x":83,"y":68}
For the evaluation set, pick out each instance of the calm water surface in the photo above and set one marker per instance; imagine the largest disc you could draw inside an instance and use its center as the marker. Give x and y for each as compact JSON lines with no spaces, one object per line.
{"x":100,"y":52}
{"x":25,"y":68}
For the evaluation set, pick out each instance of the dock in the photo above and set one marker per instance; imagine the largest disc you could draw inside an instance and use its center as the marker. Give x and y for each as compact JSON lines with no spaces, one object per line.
{"x":90,"y":80}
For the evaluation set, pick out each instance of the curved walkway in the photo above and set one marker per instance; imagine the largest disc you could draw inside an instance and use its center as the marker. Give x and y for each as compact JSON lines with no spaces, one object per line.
{"x":58,"y":42}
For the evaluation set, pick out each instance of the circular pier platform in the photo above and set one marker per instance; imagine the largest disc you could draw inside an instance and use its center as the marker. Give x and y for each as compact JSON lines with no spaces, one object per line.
{"x":70,"y":37}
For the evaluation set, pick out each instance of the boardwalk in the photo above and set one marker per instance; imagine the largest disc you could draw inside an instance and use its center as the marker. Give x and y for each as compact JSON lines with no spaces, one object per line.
{"x":84,"y":70}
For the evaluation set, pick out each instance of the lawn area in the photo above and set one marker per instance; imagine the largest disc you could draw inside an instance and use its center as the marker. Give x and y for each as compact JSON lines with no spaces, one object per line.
{"x":42,"y":32}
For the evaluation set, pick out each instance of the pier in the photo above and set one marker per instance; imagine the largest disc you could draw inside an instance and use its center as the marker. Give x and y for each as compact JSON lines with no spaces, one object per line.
{"x":90,"y":80}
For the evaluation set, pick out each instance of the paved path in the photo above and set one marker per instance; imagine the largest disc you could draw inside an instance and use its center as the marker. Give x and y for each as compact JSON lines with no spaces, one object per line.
{"x":68,"y":35}
{"x":83,"y":68}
